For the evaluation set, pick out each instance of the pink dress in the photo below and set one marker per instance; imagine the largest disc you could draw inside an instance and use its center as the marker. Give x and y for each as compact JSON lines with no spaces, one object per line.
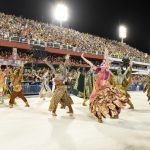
{"x":105,"y":98}
{"x":2,"y":84}
{"x":101,"y":80}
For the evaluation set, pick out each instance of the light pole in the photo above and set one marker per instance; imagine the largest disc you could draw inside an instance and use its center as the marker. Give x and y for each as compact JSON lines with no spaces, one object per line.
{"x":61,"y":13}
{"x":122,"y":32}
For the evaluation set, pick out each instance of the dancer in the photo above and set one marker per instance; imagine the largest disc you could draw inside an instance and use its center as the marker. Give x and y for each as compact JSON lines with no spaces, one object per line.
{"x":7,"y":82}
{"x":147,"y":86}
{"x":45,"y":89}
{"x":60,"y":94}
{"x":89,"y":82}
{"x":2,"y":85}
{"x":7,"y":90}
{"x":16,"y":79}
{"x":105,"y":99}
{"x":84,"y":85}
{"x":88,"y":85}
{"x":122,"y":82}
{"x":79,"y":83}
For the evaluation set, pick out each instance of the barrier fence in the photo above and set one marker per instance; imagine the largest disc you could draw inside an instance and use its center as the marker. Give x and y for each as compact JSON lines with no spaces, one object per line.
{"x":30,"y":88}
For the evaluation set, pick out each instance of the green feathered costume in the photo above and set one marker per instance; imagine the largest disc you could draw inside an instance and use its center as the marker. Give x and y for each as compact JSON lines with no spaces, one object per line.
{"x":147,"y":86}
{"x":84,"y":85}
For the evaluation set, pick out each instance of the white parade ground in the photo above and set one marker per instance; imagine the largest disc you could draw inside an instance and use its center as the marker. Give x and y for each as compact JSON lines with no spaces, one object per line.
{"x":35,"y":129}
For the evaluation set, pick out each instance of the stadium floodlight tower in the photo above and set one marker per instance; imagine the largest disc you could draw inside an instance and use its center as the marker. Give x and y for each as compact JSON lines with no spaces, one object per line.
{"x":61,"y":13}
{"x":122,"y":32}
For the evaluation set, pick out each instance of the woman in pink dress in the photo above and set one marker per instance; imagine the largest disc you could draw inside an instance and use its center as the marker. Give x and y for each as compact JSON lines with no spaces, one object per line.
{"x":2,"y":85}
{"x":105,"y":98}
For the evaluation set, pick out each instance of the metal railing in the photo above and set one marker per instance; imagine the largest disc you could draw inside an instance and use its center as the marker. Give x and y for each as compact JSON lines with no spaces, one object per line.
{"x":35,"y":89}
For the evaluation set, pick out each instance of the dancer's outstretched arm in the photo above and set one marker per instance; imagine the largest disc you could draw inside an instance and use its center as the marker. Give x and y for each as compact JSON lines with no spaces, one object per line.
{"x":21,"y":70}
{"x":106,"y":54}
{"x":66,"y":63}
{"x":128,"y":69}
{"x":51,"y":66}
{"x":106,"y":57}
{"x":36,"y":75}
{"x":88,"y":62}
{"x":67,"y":58}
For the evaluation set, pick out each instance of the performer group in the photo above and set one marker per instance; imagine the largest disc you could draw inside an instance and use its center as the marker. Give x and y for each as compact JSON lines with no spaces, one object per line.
{"x":105,"y":90}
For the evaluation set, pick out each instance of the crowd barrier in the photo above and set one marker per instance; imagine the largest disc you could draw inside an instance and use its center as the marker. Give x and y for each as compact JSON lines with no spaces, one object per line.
{"x":30,"y":88}
{"x":136,"y":87}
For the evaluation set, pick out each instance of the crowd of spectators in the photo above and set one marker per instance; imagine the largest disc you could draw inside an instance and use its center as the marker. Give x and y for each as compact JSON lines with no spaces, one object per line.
{"x":5,"y":54}
{"x":40,"y":56}
{"x":138,"y":79}
{"x":11,"y":25}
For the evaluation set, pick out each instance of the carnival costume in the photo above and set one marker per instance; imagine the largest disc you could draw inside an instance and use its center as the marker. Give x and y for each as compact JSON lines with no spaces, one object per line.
{"x":16,"y":79}
{"x":88,"y":85}
{"x":147,"y":86}
{"x":2,"y":86}
{"x":105,"y":98}
{"x":60,"y":94}
{"x":45,"y":89}
{"x":84,"y":85}
{"x":122,"y":82}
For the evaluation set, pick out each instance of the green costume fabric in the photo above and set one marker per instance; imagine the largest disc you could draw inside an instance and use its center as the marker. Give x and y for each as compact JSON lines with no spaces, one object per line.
{"x":147,"y":86}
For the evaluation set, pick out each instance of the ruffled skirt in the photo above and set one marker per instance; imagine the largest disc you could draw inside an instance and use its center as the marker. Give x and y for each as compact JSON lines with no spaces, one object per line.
{"x":108,"y":102}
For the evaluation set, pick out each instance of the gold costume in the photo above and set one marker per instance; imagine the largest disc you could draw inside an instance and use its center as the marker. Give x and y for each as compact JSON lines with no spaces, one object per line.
{"x":124,"y":85}
{"x":147,"y":86}
{"x":60,"y":96}
{"x":16,"y":79}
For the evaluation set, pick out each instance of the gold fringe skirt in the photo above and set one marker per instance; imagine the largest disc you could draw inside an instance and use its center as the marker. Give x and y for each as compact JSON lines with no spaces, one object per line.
{"x":108,"y":101}
{"x":61,"y":96}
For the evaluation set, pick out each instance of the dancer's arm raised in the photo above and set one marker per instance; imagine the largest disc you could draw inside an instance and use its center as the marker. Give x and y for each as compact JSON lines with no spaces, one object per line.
{"x":88,"y":62}
{"x":106,"y":57}
{"x":63,"y":67}
{"x":21,"y":70}
{"x":50,"y":65}
{"x":67,"y":60}
{"x":34,"y":72}
{"x":129,"y":69}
